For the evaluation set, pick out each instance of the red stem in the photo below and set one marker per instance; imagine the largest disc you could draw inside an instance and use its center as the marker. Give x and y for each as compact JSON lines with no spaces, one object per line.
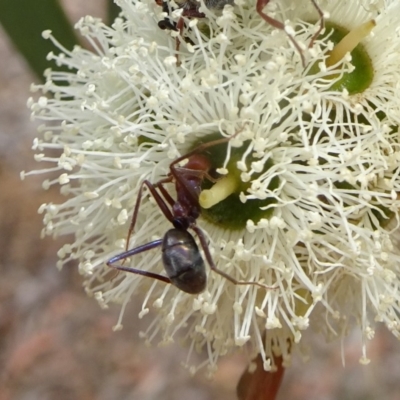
{"x":260,"y":384}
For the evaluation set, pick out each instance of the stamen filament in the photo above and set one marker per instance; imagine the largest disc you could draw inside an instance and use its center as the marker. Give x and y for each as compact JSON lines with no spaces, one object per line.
{"x":350,"y":41}
{"x":220,"y":191}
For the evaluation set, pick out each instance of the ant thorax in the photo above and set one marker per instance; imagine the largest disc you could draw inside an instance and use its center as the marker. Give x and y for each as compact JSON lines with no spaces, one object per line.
{"x":187,"y":202}
{"x":217,"y":4}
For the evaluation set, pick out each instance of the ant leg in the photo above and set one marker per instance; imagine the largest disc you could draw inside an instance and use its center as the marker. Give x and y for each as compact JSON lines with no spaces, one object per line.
{"x":210,"y":261}
{"x":279,"y":25}
{"x":159,"y":200}
{"x":188,"y":13}
{"x":321,"y":26}
{"x":199,"y":149}
{"x":179,"y":27}
{"x":203,"y":146}
{"x":183,"y":171}
{"x":126,"y":254}
{"x":165,"y":194}
{"x":272,"y":21}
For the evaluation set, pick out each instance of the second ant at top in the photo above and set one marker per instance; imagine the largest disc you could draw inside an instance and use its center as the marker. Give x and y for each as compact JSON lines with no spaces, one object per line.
{"x":191,"y":9}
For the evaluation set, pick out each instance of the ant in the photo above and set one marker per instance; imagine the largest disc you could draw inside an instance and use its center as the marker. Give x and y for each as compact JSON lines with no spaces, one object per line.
{"x":181,"y":257}
{"x":191,"y":10}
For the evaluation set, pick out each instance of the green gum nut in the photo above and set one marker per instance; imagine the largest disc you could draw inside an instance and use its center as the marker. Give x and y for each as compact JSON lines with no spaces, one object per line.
{"x":230,"y":213}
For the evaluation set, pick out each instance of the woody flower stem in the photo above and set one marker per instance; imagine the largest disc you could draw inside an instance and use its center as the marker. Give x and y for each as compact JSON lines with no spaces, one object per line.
{"x":260,"y":384}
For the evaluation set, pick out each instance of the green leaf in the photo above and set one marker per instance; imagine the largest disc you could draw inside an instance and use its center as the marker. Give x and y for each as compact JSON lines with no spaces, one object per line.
{"x":25,"y":20}
{"x":112,"y":11}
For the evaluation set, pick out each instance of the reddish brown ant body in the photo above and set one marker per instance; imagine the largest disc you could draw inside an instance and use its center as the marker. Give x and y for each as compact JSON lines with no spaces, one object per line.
{"x":180,"y":254}
{"x":191,"y":10}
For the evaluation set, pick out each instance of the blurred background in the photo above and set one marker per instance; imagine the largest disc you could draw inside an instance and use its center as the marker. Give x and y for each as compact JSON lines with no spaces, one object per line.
{"x":56,"y":343}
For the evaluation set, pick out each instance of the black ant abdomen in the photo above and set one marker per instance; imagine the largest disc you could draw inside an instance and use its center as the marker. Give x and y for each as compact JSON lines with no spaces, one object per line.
{"x":182,"y":261}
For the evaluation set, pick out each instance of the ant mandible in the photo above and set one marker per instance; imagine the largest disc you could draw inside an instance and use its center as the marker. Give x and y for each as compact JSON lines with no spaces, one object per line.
{"x":191,"y":10}
{"x":181,"y":257}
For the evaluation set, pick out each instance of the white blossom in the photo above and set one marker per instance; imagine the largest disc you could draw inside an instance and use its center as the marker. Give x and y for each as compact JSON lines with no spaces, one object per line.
{"x":325,"y":160}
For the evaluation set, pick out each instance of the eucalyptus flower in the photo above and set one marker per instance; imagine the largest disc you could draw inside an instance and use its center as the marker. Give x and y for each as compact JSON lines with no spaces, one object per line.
{"x":306,"y":201}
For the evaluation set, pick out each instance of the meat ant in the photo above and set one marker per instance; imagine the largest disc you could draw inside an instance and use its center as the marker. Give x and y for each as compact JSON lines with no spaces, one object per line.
{"x":181,"y":257}
{"x":191,"y":10}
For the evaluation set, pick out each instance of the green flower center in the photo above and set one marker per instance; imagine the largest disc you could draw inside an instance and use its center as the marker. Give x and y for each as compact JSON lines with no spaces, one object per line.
{"x":221,"y":201}
{"x":230,"y":213}
{"x":362,"y":75}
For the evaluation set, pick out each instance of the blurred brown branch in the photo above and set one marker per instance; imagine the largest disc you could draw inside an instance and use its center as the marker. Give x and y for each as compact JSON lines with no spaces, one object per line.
{"x":260,"y":384}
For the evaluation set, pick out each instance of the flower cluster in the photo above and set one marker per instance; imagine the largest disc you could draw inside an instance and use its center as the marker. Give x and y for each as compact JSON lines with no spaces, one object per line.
{"x":315,"y":155}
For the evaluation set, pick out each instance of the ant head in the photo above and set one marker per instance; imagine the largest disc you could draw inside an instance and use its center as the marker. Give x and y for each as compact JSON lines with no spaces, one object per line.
{"x":198,"y":162}
{"x":181,"y":223}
